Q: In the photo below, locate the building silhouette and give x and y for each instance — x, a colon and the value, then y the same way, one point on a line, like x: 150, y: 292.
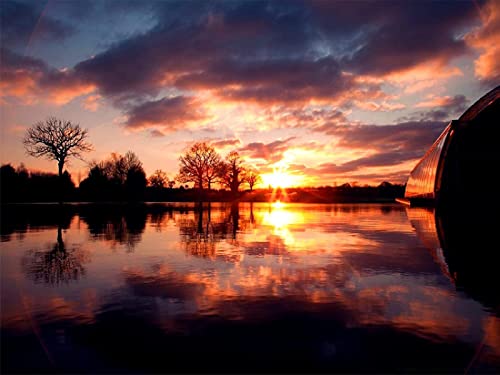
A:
x: 462, y: 164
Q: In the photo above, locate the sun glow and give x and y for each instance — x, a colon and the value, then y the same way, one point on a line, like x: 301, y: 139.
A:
x: 280, y: 218
x: 279, y: 178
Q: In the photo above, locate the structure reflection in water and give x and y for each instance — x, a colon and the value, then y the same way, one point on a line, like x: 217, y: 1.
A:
x: 464, y: 243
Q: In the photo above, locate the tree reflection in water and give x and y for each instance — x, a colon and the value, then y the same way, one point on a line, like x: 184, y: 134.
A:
x: 121, y: 225
x: 58, y: 265
x: 200, y: 234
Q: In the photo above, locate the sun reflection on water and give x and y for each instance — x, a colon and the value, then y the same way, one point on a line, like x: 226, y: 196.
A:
x: 280, y: 218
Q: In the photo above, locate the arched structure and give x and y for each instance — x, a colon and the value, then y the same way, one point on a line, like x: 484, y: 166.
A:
x: 462, y: 163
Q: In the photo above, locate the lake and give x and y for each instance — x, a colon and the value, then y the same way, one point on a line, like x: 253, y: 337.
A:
x: 247, y: 288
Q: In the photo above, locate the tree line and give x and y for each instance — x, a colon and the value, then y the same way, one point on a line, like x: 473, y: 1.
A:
x: 119, y: 177
x: 122, y: 177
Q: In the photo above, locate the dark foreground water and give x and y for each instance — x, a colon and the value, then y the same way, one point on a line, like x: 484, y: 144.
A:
x: 249, y: 288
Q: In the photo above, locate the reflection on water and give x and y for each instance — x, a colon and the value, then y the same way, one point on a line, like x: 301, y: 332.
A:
x: 464, y: 245
x: 184, y: 287
x: 57, y: 264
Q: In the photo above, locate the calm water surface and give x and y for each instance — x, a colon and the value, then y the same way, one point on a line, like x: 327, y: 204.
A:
x: 255, y: 287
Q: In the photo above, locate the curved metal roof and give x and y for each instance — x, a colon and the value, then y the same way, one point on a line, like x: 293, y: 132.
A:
x: 475, y: 109
x: 425, y: 179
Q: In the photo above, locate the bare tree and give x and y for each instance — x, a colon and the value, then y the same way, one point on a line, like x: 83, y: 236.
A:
x: 233, y: 172
x: 56, y: 140
x: 252, y: 178
x: 200, y: 164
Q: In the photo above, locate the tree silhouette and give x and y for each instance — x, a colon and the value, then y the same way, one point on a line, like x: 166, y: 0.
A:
x: 252, y: 178
x: 158, y: 179
x: 116, y: 177
x: 56, y: 140
x: 233, y: 172
x: 201, y: 164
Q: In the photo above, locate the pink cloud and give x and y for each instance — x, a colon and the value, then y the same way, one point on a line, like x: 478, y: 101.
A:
x: 379, y: 107
x: 31, y: 80
x: 486, y: 39
x: 92, y: 103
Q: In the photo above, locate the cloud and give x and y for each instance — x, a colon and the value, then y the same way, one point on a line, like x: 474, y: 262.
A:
x: 308, y: 116
x: 225, y: 143
x: 446, y: 108
x: 390, y: 145
x: 444, y: 101
x: 297, y: 55
x: 271, y: 152
x: 22, y: 22
x: 155, y: 133
x: 170, y: 114
x: 398, y: 36
x: 379, y: 107
x: 92, y: 103
x: 284, y: 80
x: 29, y: 80
x: 208, y: 52
x: 486, y: 38
x: 378, y: 159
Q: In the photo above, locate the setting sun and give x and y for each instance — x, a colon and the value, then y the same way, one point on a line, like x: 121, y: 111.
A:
x: 280, y: 179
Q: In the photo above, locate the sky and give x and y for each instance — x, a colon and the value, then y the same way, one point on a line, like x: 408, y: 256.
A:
x: 310, y: 93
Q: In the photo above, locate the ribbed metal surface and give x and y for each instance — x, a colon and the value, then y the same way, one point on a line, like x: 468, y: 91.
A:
x: 422, y: 180
x: 425, y: 181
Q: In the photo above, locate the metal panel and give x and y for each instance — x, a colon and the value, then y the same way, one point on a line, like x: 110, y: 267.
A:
x: 422, y: 180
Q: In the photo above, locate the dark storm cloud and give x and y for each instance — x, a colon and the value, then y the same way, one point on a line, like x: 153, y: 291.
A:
x: 169, y: 113
x: 20, y: 20
x: 272, y: 152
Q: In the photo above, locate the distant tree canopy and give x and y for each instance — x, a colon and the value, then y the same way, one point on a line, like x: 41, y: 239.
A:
x: 118, y: 177
x: 201, y: 164
x: 20, y: 185
x: 158, y: 180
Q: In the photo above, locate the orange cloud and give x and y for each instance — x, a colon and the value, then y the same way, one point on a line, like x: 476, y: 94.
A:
x: 62, y: 95
x: 30, y: 80
x: 423, y: 76
x: 486, y: 38
x: 382, y: 107
x: 92, y: 103
x: 436, y: 102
